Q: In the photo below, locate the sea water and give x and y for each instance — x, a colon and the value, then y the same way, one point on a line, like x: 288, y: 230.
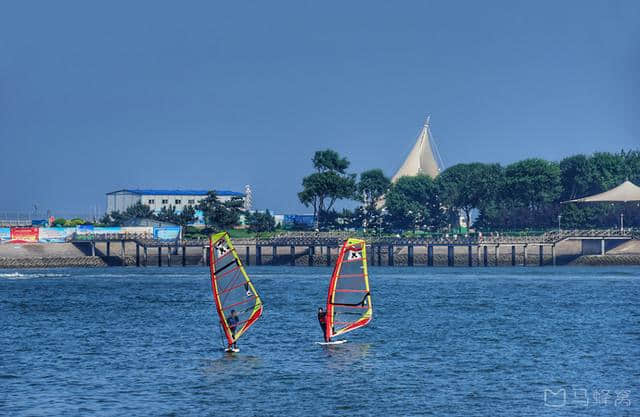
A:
x: 443, y: 341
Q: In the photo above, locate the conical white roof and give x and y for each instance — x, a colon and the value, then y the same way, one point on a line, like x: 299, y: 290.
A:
x: 421, y: 159
x: 627, y: 191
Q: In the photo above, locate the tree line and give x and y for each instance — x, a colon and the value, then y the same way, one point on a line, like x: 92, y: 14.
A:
x: 523, y: 195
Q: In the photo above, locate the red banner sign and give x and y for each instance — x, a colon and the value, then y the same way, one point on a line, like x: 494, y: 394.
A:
x: 24, y: 234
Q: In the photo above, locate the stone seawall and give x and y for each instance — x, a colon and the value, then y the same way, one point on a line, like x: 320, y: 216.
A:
x: 607, y: 260
x: 53, y: 262
x: 318, y: 260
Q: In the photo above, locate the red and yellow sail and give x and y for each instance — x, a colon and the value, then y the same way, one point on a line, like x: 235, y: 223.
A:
x: 349, y: 299
x: 232, y: 288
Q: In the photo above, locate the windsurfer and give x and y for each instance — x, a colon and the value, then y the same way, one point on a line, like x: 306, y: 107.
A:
x: 232, y: 321
x: 322, y: 319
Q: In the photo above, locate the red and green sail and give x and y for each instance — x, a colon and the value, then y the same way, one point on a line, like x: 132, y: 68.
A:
x: 349, y: 300
x: 232, y: 288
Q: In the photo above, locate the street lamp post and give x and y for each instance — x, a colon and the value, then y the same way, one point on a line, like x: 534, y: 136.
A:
x: 559, y: 219
x: 383, y: 213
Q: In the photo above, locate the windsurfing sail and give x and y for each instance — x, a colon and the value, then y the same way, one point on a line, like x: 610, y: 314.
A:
x: 349, y: 300
x: 237, y: 302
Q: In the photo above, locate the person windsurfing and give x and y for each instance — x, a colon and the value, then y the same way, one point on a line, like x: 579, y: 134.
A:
x: 322, y: 319
x: 348, y: 298
x: 232, y: 321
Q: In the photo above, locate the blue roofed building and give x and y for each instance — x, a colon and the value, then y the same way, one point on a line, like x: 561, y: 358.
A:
x: 157, y: 199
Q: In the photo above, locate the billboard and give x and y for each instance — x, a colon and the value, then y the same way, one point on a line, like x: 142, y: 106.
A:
x: 24, y: 234
x: 299, y: 220
x: 137, y: 230
x: 83, y: 232
x: 107, y: 230
x: 55, y: 234
x: 166, y: 233
x: 84, y: 229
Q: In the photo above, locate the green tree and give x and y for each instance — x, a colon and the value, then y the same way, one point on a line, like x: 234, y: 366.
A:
x: 168, y: 215
x: 220, y: 215
x: 577, y: 179
x: 138, y: 210
x: 632, y: 166
x: 261, y: 222
x: 59, y: 222
x: 75, y: 222
x: 413, y: 202
x: 330, y: 183
x: 576, y: 176
x: 532, y: 183
x: 115, y: 218
x: 187, y: 216
x: 586, y: 175
x: 609, y: 170
x: 372, y: 186
x: 330, y: 160
x: 529, y: 197
x: 465, y: 187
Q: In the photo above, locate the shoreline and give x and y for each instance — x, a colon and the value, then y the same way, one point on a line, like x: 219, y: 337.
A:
x: 420, y: 262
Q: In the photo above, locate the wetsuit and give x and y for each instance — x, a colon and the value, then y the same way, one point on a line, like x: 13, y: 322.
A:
x: 233, y: 324
x: 322, y: 319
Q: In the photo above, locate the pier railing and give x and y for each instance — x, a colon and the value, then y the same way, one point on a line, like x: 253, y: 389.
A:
x: 321, y: 247
x: 336, y: 238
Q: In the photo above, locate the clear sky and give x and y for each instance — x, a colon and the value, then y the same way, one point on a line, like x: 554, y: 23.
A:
x: 98, y: 96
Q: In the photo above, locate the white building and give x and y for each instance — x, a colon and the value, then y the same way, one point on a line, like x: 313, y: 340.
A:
x: 157, y: 199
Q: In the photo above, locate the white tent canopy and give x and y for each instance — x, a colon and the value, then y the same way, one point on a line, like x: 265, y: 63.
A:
x: 627, y: 191
x: 623, y: 193
x: 421, y: 159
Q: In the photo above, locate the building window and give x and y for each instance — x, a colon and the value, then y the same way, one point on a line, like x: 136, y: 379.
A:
x: 178, y: 201
x: 165, y: 201
x: 192, y: 201
x: 151, y: 201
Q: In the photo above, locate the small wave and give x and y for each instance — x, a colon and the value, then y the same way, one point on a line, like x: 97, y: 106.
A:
x: 18, y: 275
x: 11, y: 275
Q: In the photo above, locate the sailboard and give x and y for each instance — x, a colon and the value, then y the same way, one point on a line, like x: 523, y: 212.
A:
x: 335, y: 342
x: 237, y: 301
x: 349, y: 298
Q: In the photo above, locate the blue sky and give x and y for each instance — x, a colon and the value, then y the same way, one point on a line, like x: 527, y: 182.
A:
x: 98, y: 96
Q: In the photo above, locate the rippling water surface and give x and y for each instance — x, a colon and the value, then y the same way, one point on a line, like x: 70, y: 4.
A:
x: 469, y: 342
